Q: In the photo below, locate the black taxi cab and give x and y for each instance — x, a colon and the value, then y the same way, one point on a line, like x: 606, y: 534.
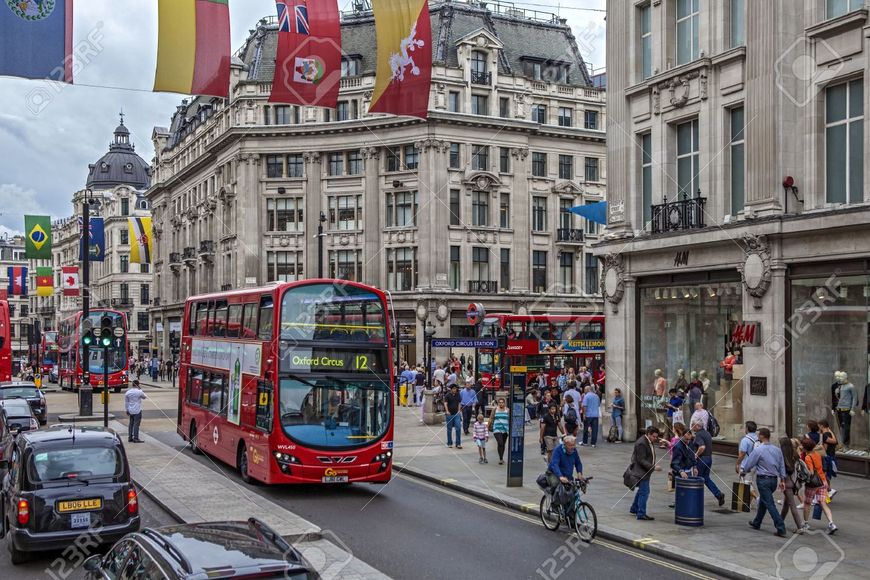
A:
x: 63, y: 482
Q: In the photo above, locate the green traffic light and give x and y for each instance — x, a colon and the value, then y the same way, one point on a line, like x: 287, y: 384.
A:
x: 106, y: 341
x: 87, y: 340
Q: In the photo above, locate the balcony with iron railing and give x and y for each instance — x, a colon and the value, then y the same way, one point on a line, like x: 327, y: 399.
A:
x: 684, y: 214
x: 189, y: 254
x: 156, y: 302
x: 124, y: 301
x: 226, y: 287
x: 206, y: 247
x: 174, y: 258
x: 481, y: 78
x: 569, y: 236
x: 483, y: 286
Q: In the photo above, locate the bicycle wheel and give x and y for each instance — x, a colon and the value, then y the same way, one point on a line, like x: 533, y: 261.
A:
x: 585, y: 522
x: 549, y: 514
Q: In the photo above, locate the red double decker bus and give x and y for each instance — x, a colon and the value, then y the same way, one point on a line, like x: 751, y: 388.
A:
x: 5, y: 342
x: 290, y: 383
x: 71, y: 353
x: 49, y: 351
x: 543, y: 342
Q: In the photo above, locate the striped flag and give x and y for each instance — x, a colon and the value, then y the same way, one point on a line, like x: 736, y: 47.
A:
x: 70, y: 280
x: 44, y: 281
x: 141, y: 240
x: 193, y: 47
x: 17, y: 280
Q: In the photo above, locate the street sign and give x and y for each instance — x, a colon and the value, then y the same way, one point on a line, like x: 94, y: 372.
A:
x: 519, y: 369
x: 517, y: 430
x: 465, y: 343
x: 475, y: 313
x: 118, y: 332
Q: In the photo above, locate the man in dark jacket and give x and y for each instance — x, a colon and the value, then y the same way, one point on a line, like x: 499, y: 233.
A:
x: 684, y: 462
x: 639, y: 472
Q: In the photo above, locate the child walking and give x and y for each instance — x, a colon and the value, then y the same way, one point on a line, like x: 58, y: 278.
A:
x: 481, y: 436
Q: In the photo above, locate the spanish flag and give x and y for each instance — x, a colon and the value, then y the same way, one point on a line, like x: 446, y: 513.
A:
x: 404, y: 38
x: 141, y: 240
x: 193, y: 48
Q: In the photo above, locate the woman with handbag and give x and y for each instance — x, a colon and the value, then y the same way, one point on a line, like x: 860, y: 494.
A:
x: 792, y: 485
x: 817, y: 487
x: 499, y: 422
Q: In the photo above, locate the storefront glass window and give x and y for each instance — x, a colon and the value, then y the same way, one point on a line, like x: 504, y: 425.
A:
x: 830, y: 330
x: 687, y: 328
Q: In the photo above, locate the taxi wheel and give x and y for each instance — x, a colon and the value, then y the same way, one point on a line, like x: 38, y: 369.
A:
x: 16, y: 556
x: 242, y: 462
x: 194, y: 448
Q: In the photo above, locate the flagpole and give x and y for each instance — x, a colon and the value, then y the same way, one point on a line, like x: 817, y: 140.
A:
x: 85, y: 249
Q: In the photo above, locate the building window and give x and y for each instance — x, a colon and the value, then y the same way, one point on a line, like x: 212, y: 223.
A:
x: 835, y: 8
x: 539, y: 271
x: 480, y: 264
x: 539, y: 114
x: 566, y: 218
x: 345, y: 212
x: 455, y: 161
x: 480, y: 208
x: 284, y: 266
x: 504, y: 211
x: 125, y: 264
x: 646, y: 176
x: 125, y: 236
x: 144, y: 268
x: 646, y: 42
x: 274, y: 166
x: 335, y: 165
x: 453, y: 101
x: 539, y: 214
x: 479, y: 105
x: 478, y: 61
x: 505, y: 269
x: 342, y: 111
x: 402, y: 269
x: 688, y: 159
x: 591, y: 274
x: 539, y: 164
x: 125, y: 292
x: 738, y: 186
x: 346, y: 265
x: 412, y: 157
x: 566, y: 117
x: 591, y: 168
x: 295, y: 165
x: 590, y: 120
x: 455, y: 204
x: 327, y: 115
x: 504, y: 159
x: 145, y: 294
x: 354, y: 163
x: 401, y: 209
x: 455, y: 267
x: 844, y: 142
x: 282, y: 115
x: 349, y: 67
x: 142, y: 321
x: 566, y: 167
x: 284, y: 214
x: 125, y: 206
x: 566, y: 272
x: 504, y: 107
x: 480, y: 157
x: 591, y: 226
x: 738, y: 23
x: 394, y: 159
x: 688, y: 31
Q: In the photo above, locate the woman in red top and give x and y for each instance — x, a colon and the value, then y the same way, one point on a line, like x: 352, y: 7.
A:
x: 816, y: 495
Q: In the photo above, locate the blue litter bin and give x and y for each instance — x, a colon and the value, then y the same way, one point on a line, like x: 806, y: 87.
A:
x: 689, y: 502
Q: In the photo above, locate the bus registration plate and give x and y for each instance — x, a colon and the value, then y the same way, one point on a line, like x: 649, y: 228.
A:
x: 334, y: 479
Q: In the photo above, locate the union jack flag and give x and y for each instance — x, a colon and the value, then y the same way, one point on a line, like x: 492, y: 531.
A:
x: 300, y: 16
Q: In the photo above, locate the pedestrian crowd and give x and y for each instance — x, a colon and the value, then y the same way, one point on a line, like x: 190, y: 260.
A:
x: 157, y: 368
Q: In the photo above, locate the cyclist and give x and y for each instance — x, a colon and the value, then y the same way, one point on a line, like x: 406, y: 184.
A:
x: 565, y: 460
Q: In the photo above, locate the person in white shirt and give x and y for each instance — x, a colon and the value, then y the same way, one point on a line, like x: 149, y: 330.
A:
x: 133, y: 405
x: 700, y: 416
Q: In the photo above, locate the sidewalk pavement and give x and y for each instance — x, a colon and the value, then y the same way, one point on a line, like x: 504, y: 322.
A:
x: 147, y: 381
x: 725, y: 545
x: 192, y: 492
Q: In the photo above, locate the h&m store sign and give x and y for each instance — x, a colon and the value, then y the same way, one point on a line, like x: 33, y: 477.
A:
x: 746, y: 333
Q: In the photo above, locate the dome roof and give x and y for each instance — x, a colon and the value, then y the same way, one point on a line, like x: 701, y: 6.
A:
x: 120, y: 166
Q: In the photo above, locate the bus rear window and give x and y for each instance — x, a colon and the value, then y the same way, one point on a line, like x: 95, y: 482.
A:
x: 332, y: 312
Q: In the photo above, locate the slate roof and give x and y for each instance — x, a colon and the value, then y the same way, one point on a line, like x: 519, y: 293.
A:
x: 120, y: 166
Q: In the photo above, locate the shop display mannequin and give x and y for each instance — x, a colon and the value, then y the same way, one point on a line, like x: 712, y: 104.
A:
x: 681, y: 384
x: 727, y: 366
x: 696, y: 390
x: 705, y: 389
x: 660, y: 385
x: 844, y: 403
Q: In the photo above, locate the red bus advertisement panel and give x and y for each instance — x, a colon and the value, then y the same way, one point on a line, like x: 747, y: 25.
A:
x: 5, y: 342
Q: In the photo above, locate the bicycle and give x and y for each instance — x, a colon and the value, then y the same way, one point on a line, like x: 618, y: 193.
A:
x: 579, y: 516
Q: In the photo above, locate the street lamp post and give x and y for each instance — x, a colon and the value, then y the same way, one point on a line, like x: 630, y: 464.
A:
x: 320, y: 223
x: 85, y: 249
x: 428, y: 333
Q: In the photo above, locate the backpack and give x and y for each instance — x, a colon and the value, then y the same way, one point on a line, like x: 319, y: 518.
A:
x: 571, y: 415
x: 801, y: 472
x: 613, y: 434
x: 713, y: 426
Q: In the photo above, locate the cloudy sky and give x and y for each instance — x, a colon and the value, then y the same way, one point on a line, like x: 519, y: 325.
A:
x: 49, y: 132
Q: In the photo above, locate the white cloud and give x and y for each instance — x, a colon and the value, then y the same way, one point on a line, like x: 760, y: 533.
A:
x: 15, y: 202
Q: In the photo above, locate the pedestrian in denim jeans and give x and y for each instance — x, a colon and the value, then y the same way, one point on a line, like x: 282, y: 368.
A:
x: 454, y: 418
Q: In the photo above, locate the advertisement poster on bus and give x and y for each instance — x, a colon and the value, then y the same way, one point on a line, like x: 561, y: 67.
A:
x: 574, y: 345
x: 237, y: 355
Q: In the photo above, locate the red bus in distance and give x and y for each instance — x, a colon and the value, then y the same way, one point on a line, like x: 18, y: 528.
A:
x: 543, y: 342
x: 48, y: 351
x: 290, y: 383
x: 71, y: 353
x: 5, y: 342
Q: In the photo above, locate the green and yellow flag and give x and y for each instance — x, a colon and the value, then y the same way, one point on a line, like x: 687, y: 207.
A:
x: 44, y: 281
x: 37, y: 243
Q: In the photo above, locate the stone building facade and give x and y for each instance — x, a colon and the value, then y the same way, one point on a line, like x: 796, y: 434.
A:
x: 739, y: 214
x: 12, y: 254
x: 465, y: 206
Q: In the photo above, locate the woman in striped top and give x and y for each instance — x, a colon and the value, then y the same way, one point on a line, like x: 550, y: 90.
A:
x: 481, y: 436
x: 499, y: 421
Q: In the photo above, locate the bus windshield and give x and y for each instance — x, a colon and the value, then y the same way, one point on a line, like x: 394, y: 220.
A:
x: 332, y: 312
x: 117, y: 355
x: 331, y: 413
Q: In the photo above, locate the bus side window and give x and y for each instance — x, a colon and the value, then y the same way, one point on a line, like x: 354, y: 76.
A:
x: 201, y: 318
x: 219, y: 327
x: 264, y: 405
x: 264, y: 330
x: 194, y: 387
x: 249, y: 326
x: 234, y: 322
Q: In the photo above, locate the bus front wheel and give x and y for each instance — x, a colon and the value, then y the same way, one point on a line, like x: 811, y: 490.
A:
x: 194, y: 448
x: 242, y: 462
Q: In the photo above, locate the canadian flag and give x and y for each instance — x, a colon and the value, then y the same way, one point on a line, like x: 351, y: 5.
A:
x: 70, y: 280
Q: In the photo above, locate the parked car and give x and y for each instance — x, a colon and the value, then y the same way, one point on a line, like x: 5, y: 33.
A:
x: 53, y: 375
x: 19, y: 415
x: 7, y: 440
x: 63, y: 481
x: 213, y: 550
x: 27, y: 390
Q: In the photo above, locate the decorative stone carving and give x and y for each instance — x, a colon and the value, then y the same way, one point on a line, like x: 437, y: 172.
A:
x: 520, y: 106
x: 440, y: 96
x: 311, y: 157
x: 422, y: 311
x: 344, y: 240
x: 756, y: 268
x: 656, y: 100
x: 482, y: 181
x: 442, y: 312
x: 680, y: 101
x: 702, y: 79
x: 522, y: 307
x: 613, y: 280
x: 520, y: 153
x: 371, y: 153
x: 567, y: 188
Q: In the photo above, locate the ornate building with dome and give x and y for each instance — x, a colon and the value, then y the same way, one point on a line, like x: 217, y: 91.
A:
x: 115, y: 187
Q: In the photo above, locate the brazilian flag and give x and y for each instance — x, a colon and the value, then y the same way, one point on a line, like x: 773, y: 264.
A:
x: 37, y: 243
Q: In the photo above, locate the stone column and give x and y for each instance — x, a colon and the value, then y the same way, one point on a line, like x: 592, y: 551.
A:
x: 619, y: 140
x: 248, y: 219
x: 313, y: 207
x: 372, y: 218
x: 433, y: 191
x: 521, y: 207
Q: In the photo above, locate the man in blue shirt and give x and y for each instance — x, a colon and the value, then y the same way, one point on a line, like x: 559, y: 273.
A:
x: 407, y: 380
x: 565, y: 460
x: 591, y: 413
x: 562, y: 380
x: 769, y: 466
x: 467, y: 401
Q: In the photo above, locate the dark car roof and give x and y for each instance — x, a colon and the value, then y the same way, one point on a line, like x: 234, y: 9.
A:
x: 226, y: 549
x: 64, y: 433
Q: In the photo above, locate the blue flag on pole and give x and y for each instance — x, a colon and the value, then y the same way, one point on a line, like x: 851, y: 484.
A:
x: 36, y: 39
x: 98, y: 239
x: 595, y: 212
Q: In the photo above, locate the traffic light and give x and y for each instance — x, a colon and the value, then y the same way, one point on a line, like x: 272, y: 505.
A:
x: 88, y: 338
x: 106, y: 331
